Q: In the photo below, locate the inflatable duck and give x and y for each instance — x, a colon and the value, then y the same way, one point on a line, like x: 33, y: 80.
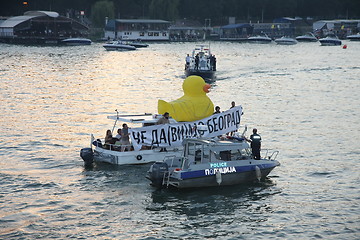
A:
x: 194, y: 105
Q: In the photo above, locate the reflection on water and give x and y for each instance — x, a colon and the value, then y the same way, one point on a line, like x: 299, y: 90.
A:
x: 301, y: 98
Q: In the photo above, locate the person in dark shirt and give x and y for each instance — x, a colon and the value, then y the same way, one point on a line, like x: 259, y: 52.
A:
x: 255, y: 140
x: 217, y: 110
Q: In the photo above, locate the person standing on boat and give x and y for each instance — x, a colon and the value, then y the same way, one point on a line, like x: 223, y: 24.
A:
x: 197, y: 59
x: 217, y: 110
x: 118, y: 135
x: 125, y: 140
x: 187, y: 60
x: 255, y: 140
x: 164, y: 120
x: 213, y: 62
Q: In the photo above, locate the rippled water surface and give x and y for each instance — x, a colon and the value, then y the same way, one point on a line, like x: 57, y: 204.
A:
x: 304, y: 100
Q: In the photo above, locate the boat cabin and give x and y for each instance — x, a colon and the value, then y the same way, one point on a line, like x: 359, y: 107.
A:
x: 199, y: 151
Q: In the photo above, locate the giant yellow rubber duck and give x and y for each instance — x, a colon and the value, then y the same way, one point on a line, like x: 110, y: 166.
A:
x: 194, y: 105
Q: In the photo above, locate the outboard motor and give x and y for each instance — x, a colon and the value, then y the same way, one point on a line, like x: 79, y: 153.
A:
x: 156, y: 173
x: 87, y: 155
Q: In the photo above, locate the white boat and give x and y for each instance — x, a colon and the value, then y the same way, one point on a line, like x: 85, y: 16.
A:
x: 111, y: 153
x: 76, y: 41
x: 264, y: 38
x: 206, y: 66
x: 285, y: 41
x: 330, y: 40
x: 308, y: 37
x: 211, y: 163
x: 118, y: 46
x: 354, y: 37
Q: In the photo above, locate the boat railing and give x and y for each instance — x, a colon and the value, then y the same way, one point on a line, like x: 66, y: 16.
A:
x: 271, y: 156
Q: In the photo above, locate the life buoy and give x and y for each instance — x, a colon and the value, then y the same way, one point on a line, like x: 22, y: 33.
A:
x: 139, y: 157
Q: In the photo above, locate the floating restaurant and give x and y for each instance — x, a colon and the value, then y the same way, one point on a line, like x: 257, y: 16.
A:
x: 39, y: 27
x: 137, y: 29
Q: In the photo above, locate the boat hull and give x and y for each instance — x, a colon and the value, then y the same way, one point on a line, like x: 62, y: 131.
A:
x: 132, y: 157
x: 306, y: 39
x: 226, y: 179
x: 76, y: 41
x: 355, y: 37
x: 286, y: 42
x: 206, y: 74
x: 330, y: 43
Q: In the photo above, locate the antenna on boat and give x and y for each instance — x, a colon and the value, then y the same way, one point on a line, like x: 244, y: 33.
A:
x: 117, y: 117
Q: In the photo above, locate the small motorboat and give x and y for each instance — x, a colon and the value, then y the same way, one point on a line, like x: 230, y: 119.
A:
x: 76, y: 41
x: 354, y: 37
x: 118, y: 46
x: 285, y: 41
x: 330, y: 40
x: 264, y: 38
x: 206, y: 65
x: 308, y: 37
x: 210, y: 163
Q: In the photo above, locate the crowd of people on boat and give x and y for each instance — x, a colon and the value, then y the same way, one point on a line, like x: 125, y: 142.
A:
x: 121, y: 141
x: 210, y: 60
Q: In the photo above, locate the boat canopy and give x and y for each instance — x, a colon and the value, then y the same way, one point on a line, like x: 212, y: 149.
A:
x: 146, y: 118
x: 42, y: 13
x: 239, y: 25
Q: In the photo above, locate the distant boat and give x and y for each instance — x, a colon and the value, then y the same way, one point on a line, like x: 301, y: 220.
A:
x: 76, y: 41
x: 285, y: 41
x: 308, y: 37
x: 355, y: 37
x: 118, y: 46
x: 264, y: 38
x: 206, y: 65
x: 330, y: 40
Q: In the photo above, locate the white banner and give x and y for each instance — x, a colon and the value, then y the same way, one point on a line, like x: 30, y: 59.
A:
x: 171, y: 135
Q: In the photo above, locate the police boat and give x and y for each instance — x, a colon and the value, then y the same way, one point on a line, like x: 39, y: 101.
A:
x: 210, y: 163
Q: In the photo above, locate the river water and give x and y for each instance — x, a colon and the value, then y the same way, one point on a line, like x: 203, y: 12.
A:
x: 304, y: 100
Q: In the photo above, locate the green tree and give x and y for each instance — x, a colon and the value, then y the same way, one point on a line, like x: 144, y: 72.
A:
x: 100, y: 10
x: 164, y: 9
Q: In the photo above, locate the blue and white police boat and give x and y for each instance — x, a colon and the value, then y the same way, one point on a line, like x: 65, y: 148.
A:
x: 210, y: 163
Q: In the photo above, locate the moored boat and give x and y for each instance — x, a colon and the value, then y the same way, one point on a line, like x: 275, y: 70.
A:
x: 308, y: 37
x: 330, y: 40
x: 285, y: 41
x: 263, y: 39
x: 76, y: 41
x: 211, y: 163
x: 118, y: 46
x: 202, y: 63
x: 354, y: 37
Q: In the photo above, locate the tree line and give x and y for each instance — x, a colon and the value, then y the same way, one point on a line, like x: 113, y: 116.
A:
x: 217, y: 10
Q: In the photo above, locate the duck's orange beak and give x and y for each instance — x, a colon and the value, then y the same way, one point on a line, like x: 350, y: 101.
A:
x: 206, y: 88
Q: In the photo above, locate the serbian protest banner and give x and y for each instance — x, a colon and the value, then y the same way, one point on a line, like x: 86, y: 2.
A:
x: 171, y: 135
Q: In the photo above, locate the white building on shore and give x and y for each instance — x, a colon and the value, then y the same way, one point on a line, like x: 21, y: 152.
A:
x: 137, y: 29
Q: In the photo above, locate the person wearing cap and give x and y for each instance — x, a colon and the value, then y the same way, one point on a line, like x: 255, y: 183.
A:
x: 255, y: 140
